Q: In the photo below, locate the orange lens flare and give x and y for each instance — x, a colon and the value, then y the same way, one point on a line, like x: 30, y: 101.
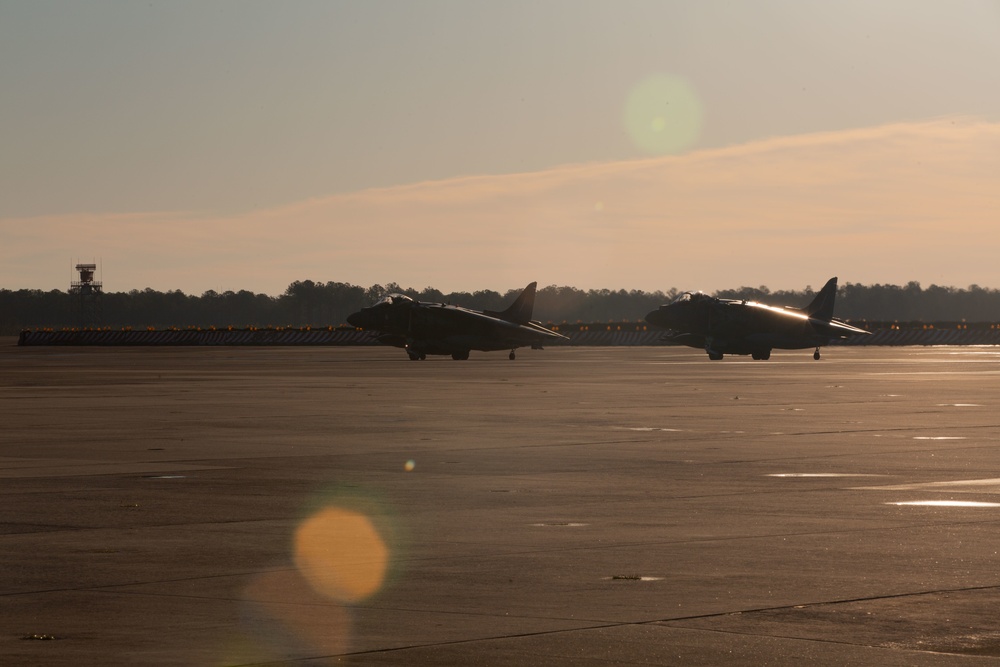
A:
x: 341, y: 554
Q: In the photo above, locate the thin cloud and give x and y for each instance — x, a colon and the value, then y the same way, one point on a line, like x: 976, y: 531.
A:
x: 909, y: 201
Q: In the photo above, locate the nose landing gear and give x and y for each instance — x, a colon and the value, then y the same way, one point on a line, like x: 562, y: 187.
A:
x: 415, y: 354
x: 712, y: 354
x: 816, y: 354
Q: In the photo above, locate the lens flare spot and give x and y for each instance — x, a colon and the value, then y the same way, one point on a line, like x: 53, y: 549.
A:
x: 663, y: 115
x: 341, y: 554
x: 409, y: 465
x: 284, y: 615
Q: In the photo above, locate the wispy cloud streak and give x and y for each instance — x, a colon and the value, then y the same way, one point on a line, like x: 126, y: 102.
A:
x: 909, y: 201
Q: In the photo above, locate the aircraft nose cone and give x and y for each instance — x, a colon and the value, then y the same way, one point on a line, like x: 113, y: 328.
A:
x: 355, y: 319
x: 658, y: 318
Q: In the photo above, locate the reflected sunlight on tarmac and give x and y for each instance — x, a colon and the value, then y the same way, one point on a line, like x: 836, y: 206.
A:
x: 589, y: 506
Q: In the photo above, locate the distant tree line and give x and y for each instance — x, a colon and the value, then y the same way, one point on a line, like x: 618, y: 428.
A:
x: 891, y: 303
x: 308, y: 303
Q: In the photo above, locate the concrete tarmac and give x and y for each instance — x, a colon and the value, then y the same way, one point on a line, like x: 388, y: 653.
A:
x: 578, y: 506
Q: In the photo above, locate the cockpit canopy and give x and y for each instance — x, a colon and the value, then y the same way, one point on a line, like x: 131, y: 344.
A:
x: 690, y: 297
x: 394, y: 300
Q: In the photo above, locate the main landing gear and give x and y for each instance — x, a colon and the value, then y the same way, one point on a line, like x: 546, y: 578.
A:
x: 416, y: 356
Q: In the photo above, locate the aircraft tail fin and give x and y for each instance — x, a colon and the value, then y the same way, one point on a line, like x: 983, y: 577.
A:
x: 821, y: 307
x: 520, y: 310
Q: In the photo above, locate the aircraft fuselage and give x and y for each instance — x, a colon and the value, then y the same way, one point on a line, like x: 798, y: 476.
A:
x: 726, y: 326
x: 435, y: 328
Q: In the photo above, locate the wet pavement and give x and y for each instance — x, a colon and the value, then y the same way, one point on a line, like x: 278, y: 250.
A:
x: 577, y: 506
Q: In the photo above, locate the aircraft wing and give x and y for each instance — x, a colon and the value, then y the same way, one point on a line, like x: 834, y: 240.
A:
x: 507, y: 335
x: 838, y: 329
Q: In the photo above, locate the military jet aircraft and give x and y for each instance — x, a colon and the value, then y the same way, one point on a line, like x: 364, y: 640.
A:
x: 729, y: 326
x: 423, y: 328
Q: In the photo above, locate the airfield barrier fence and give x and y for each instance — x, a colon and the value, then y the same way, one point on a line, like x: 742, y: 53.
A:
x: 592, y: 334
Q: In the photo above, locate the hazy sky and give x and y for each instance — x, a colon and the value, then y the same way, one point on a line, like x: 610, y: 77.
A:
x: 470, y: 145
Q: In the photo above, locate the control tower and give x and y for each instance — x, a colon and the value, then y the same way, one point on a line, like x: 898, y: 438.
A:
x: 85, y: 297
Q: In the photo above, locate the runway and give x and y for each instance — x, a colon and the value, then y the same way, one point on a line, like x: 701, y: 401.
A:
x: 577, y: 506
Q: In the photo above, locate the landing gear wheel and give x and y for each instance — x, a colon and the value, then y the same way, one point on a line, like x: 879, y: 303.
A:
x: 460, y: 356
x: 413, y: 356
x: 715, y: 356
x: 511, y: 356
x: 816, y: 354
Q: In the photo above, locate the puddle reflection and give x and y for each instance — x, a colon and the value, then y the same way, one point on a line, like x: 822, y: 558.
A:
x: 944, y: 503
x: 821, y: 474
x: 561, y: 524
x: 646, y: 429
